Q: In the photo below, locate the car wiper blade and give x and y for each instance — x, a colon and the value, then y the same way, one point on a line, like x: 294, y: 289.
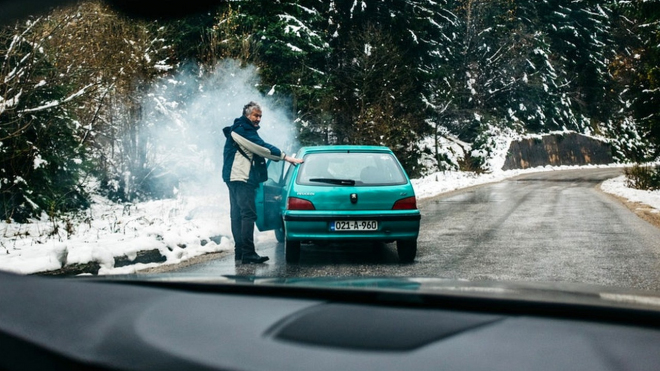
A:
x: 348, y: 182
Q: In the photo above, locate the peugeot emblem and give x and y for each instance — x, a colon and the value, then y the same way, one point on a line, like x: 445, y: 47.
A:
x: 353, y: 198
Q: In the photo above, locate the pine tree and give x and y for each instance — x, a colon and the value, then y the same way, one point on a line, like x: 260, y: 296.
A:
x: 376, y: 89
x: 636, y: 71
x: 579, y: 40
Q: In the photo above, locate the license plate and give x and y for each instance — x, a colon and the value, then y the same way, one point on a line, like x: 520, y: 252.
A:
x: 354, y: 225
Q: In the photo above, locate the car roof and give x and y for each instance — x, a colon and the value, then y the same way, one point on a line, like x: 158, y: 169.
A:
x: 344, y: 148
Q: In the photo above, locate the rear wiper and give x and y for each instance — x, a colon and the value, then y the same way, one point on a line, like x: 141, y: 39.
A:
x: 348, y: 182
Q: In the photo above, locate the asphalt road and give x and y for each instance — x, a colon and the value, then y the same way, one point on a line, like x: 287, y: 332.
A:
x: 547, y: 227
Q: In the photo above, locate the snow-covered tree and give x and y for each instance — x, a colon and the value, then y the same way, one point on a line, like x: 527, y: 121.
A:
x: 120, y: 57
x: 41, y: 156
x: 636, y: 73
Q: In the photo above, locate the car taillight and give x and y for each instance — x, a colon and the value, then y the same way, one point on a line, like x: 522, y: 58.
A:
x: 294, y: 203
x: 409, y: 203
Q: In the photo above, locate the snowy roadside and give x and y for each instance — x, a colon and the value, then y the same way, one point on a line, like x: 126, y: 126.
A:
x: 618, y: 187
x: 113, y: 237
x: 178, y: 229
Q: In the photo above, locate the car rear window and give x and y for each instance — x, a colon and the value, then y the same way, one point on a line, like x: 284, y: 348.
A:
x: 362, y: 168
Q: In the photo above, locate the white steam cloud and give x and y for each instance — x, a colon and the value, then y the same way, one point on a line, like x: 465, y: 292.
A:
x: 186, y: 114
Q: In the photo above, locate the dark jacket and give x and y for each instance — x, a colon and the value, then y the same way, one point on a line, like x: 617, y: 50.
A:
x: 236, y: 167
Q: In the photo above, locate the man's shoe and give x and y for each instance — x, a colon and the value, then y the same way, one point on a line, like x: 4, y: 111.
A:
x: 254, y: 259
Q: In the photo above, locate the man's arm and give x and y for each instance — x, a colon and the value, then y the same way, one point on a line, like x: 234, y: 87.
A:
x: 272, y: 153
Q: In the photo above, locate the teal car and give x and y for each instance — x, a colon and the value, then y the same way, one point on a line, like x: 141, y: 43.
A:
x: 340, y: 194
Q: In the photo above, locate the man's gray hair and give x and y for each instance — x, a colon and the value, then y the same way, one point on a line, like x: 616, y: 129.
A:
x: 248, y: 108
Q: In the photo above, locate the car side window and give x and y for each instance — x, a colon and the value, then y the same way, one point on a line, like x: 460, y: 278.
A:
x: 275, y: 171
x: 288, y: 174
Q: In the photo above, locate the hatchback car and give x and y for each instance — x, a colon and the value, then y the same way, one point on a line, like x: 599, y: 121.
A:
x: 340, y: 194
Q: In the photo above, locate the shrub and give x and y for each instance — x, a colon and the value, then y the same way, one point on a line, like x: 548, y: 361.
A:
x: 643, y: 177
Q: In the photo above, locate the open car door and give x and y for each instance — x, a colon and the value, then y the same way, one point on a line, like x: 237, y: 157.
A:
x: 269, y: 198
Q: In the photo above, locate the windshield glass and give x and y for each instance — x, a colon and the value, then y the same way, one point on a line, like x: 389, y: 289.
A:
x: 480, y: 141
x: 362, y: 168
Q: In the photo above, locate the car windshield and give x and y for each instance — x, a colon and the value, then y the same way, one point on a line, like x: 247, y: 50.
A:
x: 477, y: 141
x: 361, y: 168
x: 330, y: 184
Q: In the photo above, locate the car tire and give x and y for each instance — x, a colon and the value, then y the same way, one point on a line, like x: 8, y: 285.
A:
x: 407, y: 250
x: 279, y: 234
x: 292, y: 251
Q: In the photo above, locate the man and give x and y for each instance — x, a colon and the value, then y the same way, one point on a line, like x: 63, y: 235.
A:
x: 242, y: 144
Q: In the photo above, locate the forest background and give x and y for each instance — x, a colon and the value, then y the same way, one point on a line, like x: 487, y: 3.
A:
x: 85, y: 90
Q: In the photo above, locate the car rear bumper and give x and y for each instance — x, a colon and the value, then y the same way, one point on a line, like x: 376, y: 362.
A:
x: 315, y: 226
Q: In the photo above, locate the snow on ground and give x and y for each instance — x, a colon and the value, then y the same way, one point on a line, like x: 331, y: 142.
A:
x: 180, y: 229
x: 618, y: 187
x: 186, y: 226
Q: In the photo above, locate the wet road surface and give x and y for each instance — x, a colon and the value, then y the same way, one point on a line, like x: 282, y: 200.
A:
x: 550, y: 227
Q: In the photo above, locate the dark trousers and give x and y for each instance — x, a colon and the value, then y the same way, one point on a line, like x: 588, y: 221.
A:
x: 243, y: 214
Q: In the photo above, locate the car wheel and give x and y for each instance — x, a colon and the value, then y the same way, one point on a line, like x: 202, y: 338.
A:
x: 279, y: 234
x: 292, y: 251
x: 407, y: 250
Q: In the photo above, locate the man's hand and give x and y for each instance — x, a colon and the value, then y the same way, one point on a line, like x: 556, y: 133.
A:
x: 293, y: 160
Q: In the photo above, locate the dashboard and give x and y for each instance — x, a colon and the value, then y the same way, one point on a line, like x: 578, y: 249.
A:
x: 64, y: 324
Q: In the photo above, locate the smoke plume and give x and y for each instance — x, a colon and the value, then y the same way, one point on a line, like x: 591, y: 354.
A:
x: 187, y: 113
